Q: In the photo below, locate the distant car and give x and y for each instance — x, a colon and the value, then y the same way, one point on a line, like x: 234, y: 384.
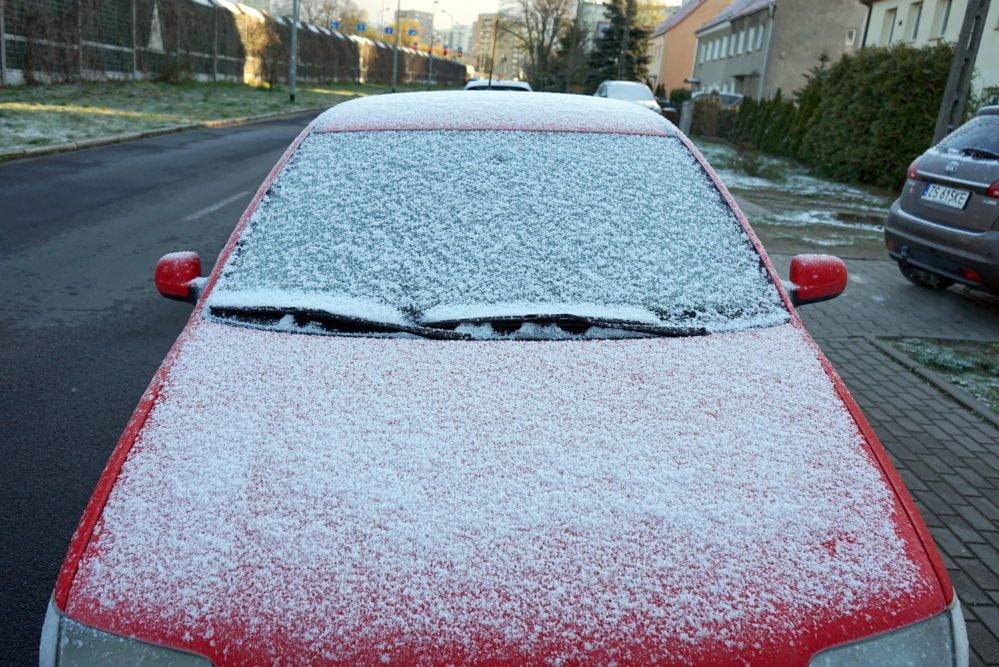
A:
x: 548, y: 401
x: 726, y: 100
x: 629, y: 91
x: 669, y: 110
x: 498, y: 84
x: 944, y: 228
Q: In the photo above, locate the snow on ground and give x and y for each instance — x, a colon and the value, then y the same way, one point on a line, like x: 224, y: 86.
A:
x: 799, y: 205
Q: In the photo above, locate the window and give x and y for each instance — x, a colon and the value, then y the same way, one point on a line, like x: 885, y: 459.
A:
x: 731, y: 44
x: 942, y: 18
x: 462, y: 247
x: 742, y: 41
x: 915, y: 14
x: 759, y: 37
x: 888, y: 27
x: 851, y: 37
x: 752, y: 34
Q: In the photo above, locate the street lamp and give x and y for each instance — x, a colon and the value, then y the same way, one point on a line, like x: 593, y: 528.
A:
x: 395, y: 53
x: 430, y: 71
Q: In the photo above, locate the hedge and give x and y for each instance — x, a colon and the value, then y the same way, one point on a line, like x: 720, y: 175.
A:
x: 862, y: 119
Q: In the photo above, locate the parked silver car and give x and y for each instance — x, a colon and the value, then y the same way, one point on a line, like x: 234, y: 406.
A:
x: 944, y: 228
x: 629, y: 91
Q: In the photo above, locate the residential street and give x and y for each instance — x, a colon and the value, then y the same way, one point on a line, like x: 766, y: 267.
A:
x: 82, y: 330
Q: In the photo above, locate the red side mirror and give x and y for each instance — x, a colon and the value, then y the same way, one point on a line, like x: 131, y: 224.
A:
x: 816, y: 278
x: 177, y: 276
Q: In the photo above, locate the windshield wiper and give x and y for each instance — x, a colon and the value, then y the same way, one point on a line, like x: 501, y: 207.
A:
x: 569, y: 322
x: 975, y: 151
x: 330, y: 320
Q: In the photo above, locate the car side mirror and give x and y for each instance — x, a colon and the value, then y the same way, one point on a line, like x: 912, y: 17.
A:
x: 816, y: 278
x: 178, y: 276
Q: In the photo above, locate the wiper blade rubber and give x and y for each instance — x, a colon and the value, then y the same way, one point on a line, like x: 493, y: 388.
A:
x: 337, y: 321
x: 574, y: 320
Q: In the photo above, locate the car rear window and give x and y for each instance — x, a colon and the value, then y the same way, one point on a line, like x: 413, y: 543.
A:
x: 451, y: 221
x: 981, y: 132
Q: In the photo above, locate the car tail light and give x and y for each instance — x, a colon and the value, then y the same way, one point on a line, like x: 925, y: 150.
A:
x: 993, y: 190
x: 912, y: 169
x: 971, y: 275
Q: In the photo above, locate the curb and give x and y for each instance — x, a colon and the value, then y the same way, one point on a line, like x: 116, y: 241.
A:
x: 132, y: 136
x: 961, y: 396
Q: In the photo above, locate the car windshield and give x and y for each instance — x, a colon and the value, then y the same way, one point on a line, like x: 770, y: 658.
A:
x: 500, y: 86
x: 417, y: 228
x: 979, y: 134
x: 629, y: 92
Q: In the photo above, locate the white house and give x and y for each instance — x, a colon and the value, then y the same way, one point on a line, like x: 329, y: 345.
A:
x: 923, y: 22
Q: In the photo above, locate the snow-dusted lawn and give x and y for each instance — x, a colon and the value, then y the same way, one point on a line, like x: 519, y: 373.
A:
x: 799, y: 210
x: 48, y: 115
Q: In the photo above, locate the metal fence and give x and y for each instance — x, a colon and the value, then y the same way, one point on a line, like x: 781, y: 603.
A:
x: 70, y: 40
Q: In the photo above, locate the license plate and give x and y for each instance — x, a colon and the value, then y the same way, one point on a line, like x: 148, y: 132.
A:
x: 940, y: 194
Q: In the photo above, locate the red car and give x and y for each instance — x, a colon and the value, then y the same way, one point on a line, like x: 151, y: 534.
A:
x: 491, y: 378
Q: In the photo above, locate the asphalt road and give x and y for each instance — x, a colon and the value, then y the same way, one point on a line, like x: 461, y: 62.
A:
x: 82, y: 329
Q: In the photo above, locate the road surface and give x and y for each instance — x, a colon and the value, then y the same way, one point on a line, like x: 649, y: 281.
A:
x: 82, y: 328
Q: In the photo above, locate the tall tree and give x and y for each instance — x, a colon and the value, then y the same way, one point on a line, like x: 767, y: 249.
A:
x: 536, y: 25
x: 606, y: 54
x: 570, y: 62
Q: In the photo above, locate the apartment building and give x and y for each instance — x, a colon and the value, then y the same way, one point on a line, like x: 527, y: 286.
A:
x: 757, y: 47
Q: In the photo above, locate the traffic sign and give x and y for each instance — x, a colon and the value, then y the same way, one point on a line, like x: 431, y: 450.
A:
x: 389, y: 30
x: 411, y: 32
x: 334, y: 25
x: 360, y: 27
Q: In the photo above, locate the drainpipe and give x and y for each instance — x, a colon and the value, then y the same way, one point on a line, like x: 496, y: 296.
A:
x: 867, y: 21
x: 772, y: 9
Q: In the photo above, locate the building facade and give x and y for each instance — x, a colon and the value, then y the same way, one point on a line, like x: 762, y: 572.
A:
x: 925, y: 22
x: 496, y: 51
x: 671, y: 47
x: 758, y: 47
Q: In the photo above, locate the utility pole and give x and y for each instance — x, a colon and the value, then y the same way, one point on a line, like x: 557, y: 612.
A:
x: 293, y: 57
x: 625, y: 35
x: 961, y: 68
x: 3, y: 47
x: 492, y: 58
x: 572, y: 47
x: 395, y: 54
x: 430, y: 71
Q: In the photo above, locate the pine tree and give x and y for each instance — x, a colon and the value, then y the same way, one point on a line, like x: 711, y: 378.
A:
x: 607, y: 49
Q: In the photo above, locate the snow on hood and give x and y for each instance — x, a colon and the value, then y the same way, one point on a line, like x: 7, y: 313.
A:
x: 490, y: 109
x: 305, y: 498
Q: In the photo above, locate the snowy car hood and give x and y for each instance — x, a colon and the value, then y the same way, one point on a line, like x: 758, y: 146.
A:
x: 305, y: 498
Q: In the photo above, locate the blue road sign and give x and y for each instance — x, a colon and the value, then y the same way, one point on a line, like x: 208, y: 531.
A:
x: 360, y: 27
x: 389, y: 30
x: 411, y: 32
x: 335, y: 25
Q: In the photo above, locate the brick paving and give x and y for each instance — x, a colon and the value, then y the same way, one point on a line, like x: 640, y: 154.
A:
x: 947, y: 455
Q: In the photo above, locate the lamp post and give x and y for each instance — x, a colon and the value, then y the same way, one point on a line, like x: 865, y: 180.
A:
x: 430, y: 70
x: 395, y: 54
x: 293, y: 56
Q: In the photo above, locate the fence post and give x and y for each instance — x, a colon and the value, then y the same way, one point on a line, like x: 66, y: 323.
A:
x: 686, y: 116
x: 135, y: 44
x: 215, y: 44
x: 3, y: 45
x: 79, y: 38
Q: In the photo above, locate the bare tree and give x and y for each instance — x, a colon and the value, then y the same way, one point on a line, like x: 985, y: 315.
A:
x: 324, y: 12
x: 536, y: 26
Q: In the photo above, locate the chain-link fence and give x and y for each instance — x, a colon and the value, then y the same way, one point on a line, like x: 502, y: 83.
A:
x: 45, y: 41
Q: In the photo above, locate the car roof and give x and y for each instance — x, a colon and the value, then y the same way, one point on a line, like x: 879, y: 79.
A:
x: 989, y: 111
x: 491, y: 110
x: 623, y: 84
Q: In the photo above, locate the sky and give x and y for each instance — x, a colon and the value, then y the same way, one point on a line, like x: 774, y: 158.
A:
x: 464, y: 11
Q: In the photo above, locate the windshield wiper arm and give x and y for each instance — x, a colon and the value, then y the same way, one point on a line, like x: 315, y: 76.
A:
x: 337, y: 321
x: 571, y: 321
x: 983, y: 152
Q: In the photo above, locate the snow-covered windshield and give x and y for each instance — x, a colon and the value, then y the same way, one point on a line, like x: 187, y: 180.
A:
x: 415, y: 226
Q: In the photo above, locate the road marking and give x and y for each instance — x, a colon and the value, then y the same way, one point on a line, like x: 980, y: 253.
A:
x: 214, y: 207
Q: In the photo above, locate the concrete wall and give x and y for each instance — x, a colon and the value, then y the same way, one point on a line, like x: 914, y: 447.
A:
x: 804, y: 31
x: 902, y: 22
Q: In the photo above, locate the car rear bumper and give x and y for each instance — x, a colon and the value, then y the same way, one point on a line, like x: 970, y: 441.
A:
x: 944, y: 250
